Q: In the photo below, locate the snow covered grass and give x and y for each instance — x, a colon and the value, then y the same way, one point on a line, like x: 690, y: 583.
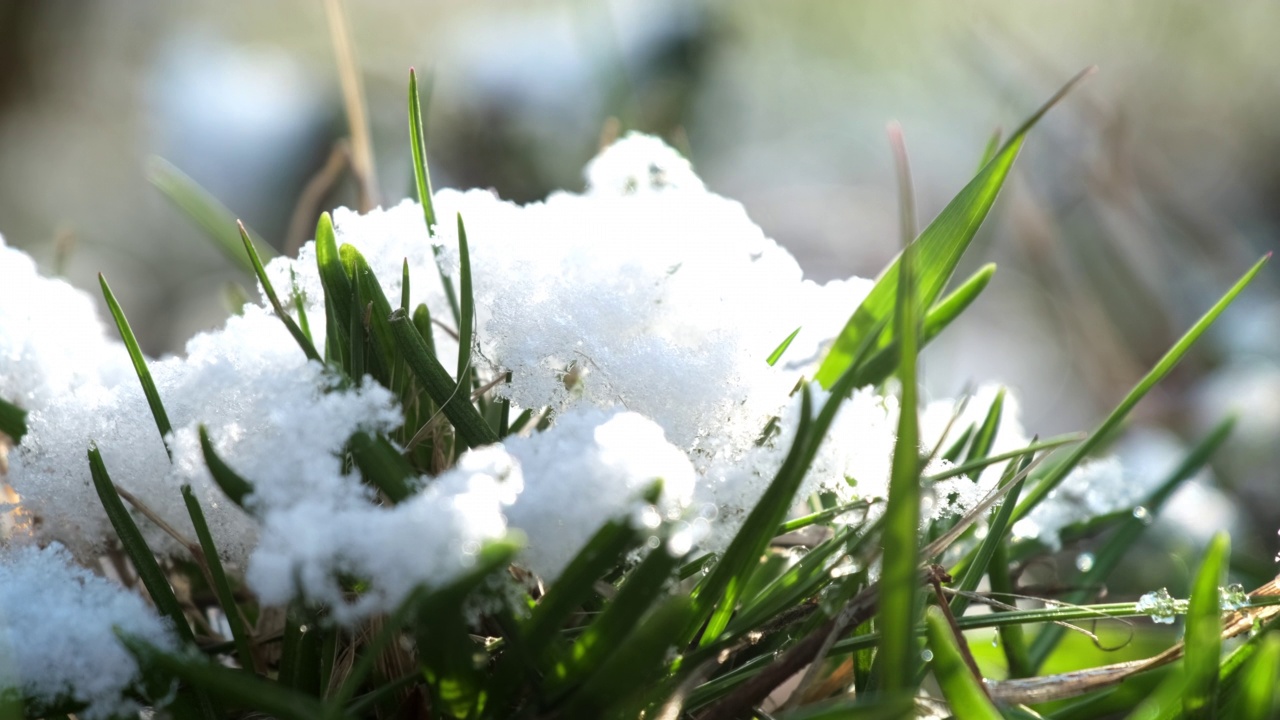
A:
x: 607, y: 455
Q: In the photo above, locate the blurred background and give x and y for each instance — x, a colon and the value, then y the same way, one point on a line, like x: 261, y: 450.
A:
x: 1134, y: 205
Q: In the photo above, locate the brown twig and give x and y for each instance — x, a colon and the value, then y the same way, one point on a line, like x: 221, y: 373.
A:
x: 302, y: 222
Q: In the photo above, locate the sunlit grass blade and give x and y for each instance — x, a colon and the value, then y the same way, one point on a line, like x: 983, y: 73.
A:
x: 977, y: 567
x: 235, y: 487
x: 374, y: 310
x: 221, y: 586
x: 899, y: 656
x: 139, y: 365
x: 1256, y: 697
x: 337, y: 292
x: 242, y: 689
x: 422, y: 179
x: 454, y: 401
x: 978, y: 465
x: 203, y: 208
x: 1204, y: 631
x: 938, y: 317
x: 986, y: 436
x: 724, y: 585
x: 299, y: 336
x: 782, y: 348
x: 966, y: 697
x: 467, y: 310
x: 1109, y: 554
x: 1162, y: 368
x: 382, y: 466
x: 938, y: 249
x: 13, y: 421
x: 131, y: 540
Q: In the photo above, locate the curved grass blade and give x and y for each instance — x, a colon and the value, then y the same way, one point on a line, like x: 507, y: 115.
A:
x: 938, y: 248
x: 299, y: 336
x: 782, y: 348
x: 139, y: 365
x: 471, y: 427
x: 383, y: 466
x: 13, y: 421
x: 967, y: 698
x: 204, y: 209
x: 1204, y: 631
x: 883, y: 362
x: 1059, y: 472
x: 131, y: 540
x: 221, y: 586
x: 240, y: 688
x: 235, y: 487
x: 1108, y: 555
x: 898, y: 656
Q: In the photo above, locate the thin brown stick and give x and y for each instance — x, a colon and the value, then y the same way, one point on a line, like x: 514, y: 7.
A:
x: 302, y: 222
x: 353, y: 100
x: 963, y: 644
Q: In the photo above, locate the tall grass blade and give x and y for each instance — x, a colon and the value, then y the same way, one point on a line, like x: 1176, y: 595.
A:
x: 467, y: 310
x: 235, y: 487
x: 1204, y: 632
x: 422, y: 179
x: 938, y: 248
x: 221, y: 586
x: 1162, y: 368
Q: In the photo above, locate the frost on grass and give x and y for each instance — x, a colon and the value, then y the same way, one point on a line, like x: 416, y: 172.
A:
x: 58, y: 625
x: 638, y: 315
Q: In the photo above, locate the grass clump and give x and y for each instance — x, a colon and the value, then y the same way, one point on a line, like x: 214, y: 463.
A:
x: 341, y: 519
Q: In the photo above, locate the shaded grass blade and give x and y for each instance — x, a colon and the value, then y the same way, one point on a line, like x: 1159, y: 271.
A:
x: 939, y: 249
x: 235, y: 487
x: 383, y: 466
x: 13, y: 421
x: 966, y: 697
x: 204, y: 209
x: 1162, y: 368
x: 1256, y: 699
x: 1204, y: 632
x: 337, y: 293
x: 221, y: 586
x: 242, y: 689
x: 131, y: 540
x: 466, y: 317
x: 299, y: 336
x: 454, y: 401
x: 139, y: 365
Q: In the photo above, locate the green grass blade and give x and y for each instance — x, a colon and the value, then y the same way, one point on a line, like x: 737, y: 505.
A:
x: 422, y: 321
x: 139, y: 365
x: 299, y: 336
x: 382, y: 466
x: 605, y: 551
x: 723, y: 587
x: 605, y: 635
x: 337, y: 292
x: 454, y: 401
x: 1204, y: 632
x: 878, y: 708
x: 467, y: 310
x: 966, y: 697
x: 976, y: 568
x: 899, y: 655
x: 221, y: 586
x: 13, y: 421
x: 384, y: 359
x: 422, y: 179
x: 203, y: 208
x: 301, y: 654
x: 235, y: 487
x: 404, y: 286
x: 1257, y: 696
x: 986, y: 437
x: 777, y: 353
x: 883, y: 362
x: 977, y: 465
x: 938, y: 248
x: 358, y: 352
x: 1157, y: 373
x: 1109, y: 554
x: 131, y: 540
x: 237, y: 687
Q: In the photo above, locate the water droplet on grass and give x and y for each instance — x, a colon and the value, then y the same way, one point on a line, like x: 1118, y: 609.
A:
x: 927, y: 655
x: 1159, y: 605
x: 1084, y: 562
x: 1233, y: 597
x: 1144, y: 515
